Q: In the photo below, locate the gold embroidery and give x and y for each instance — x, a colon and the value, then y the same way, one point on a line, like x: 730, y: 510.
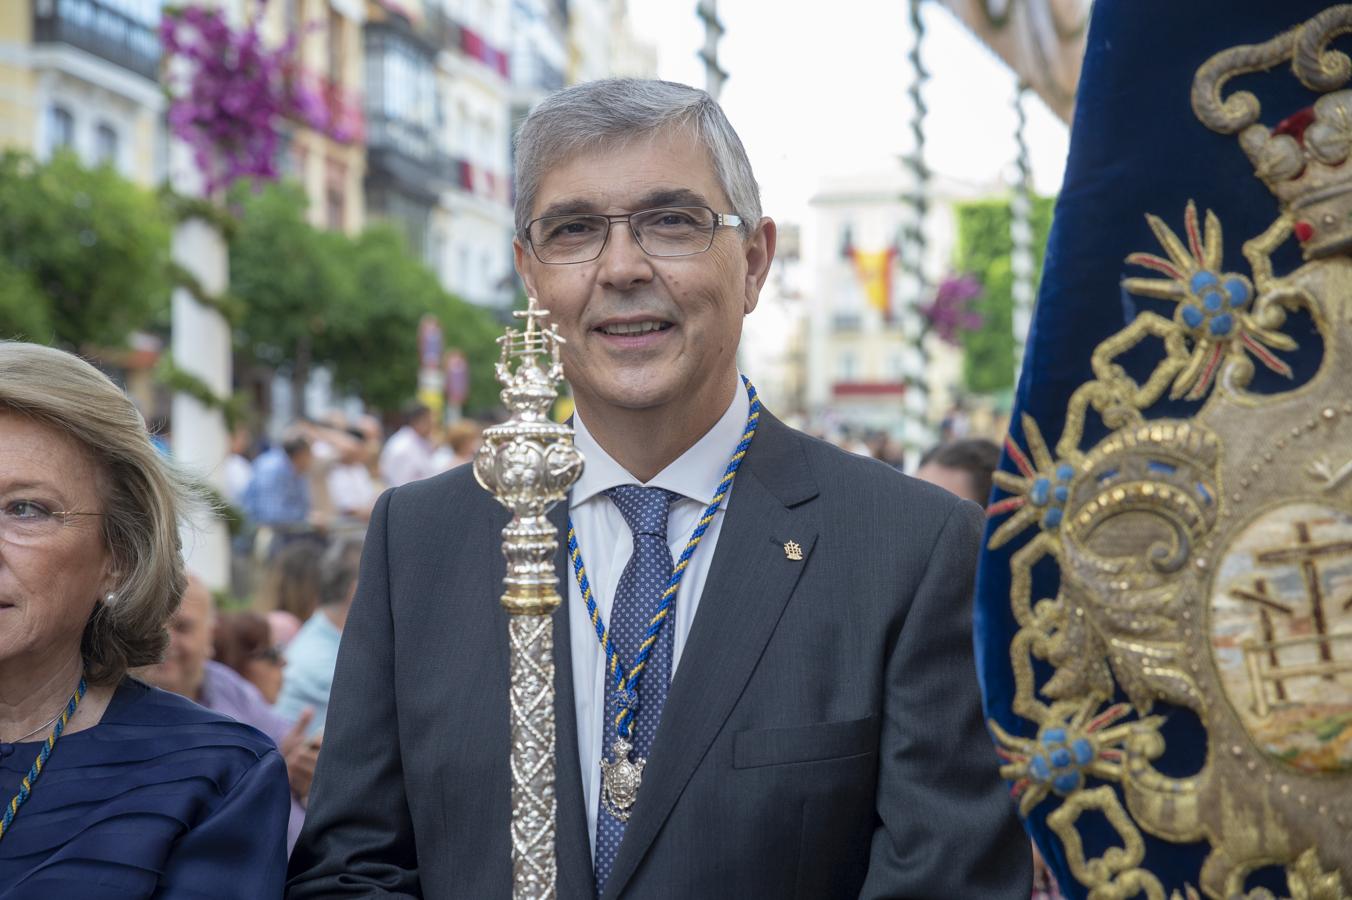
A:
x: 1205, y: 562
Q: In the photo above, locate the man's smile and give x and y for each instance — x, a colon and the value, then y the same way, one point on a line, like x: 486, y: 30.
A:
x: 633, y: 332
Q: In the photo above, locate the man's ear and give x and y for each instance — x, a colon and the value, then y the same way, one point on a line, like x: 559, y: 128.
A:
x: 521, y: 258
x: 760, y: 252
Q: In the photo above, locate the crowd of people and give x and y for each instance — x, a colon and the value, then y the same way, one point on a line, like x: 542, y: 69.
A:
x: 320, y: 479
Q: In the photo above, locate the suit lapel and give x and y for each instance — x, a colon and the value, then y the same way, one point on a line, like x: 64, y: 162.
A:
x: 750, y: 580
x: 572, y: 846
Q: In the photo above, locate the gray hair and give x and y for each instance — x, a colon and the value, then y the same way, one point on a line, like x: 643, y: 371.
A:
x: 590, y: 115
x: 338, y: 570
x: 143, y: 498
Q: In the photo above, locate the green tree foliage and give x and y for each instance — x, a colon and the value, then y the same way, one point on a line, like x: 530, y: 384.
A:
x: 371, y: 340
x: 287, y: 274
x: 83, y: 253
x: 25, y: 312
x: 983, y: 249
x: 352, y: 304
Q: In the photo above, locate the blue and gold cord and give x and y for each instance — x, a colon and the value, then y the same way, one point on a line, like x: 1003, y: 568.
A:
x: 26, y: 786
x: 626, y: 683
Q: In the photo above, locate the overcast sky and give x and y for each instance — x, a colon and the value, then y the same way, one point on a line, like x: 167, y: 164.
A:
x: 816, y: 95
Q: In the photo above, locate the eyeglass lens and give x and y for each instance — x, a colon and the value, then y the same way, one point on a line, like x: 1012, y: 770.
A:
x: 670, y: 231
x: 24, y: 522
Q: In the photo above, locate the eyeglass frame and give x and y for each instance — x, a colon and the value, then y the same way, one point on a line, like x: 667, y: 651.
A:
x: 62, y: 517
x: 273, y: 655
x: 721, y: 220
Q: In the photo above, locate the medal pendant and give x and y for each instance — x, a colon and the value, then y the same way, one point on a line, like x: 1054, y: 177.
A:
x: 620, y: 780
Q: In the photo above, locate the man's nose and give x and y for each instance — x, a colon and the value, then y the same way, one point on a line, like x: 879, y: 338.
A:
x: 623, y: 262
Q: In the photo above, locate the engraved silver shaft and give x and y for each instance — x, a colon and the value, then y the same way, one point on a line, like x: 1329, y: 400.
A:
x: 529, y: 463
x: 533, y: 801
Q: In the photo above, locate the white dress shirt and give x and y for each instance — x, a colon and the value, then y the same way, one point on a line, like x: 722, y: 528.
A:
x: 606, y: 544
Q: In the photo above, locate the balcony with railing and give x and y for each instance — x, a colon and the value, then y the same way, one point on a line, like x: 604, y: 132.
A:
x: 445, y: 33
x: 407, y: 153
x: 100, y: 29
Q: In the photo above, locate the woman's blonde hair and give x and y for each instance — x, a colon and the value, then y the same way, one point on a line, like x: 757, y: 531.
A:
x: 143, y: 499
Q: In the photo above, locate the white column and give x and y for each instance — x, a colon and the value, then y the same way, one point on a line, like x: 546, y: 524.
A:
x: 201, y: 347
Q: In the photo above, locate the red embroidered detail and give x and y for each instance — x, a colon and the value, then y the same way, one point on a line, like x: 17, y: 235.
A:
x: 1019, y: 459
x: 1304, y: 231
x: 1295, y: 124
x: 1194, y: 239
x: 1000, y: 507
x: 1151, y: 261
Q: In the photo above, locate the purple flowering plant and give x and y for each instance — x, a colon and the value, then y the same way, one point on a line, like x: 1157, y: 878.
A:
x: 228, y: 92
x: 950, y: 313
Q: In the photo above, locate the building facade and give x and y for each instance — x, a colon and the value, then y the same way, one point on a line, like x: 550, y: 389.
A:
x: 83, y: 75
x: 863, y: 317
x: 327, y: 158
x: 438, y: 77
x: 407, y: 165
x: 472, y: 235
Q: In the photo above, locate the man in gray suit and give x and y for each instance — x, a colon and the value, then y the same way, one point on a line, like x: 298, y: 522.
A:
x: 808, y: 708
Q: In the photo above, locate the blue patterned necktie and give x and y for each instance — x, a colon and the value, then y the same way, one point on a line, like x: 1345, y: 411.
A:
x: 645, y: 578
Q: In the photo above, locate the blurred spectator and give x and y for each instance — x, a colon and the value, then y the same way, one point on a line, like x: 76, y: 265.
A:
x: 892, y: 453
x: 244, y: 642
x: 238, y: 468
x: 957, y: 424
x: 850, y: 440
x: 291, y: 582
x: 331, y: 443
x: 462, y: 442
x: 373, y: 435
x: 312, y: 655
x: 283, y: 627
x: 408, y: 453
x: 352, y: 491
x: 278, y: 494
x: 962, y: 467
x: 187, y: 670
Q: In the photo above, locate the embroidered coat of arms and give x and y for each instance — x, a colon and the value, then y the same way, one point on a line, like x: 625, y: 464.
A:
x: 1205, y: 562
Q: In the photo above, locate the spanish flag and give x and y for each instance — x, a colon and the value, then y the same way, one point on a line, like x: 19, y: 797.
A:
x: 873, y: 268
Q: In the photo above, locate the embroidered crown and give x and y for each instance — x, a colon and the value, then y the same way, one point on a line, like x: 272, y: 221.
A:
x: 1303, y: 159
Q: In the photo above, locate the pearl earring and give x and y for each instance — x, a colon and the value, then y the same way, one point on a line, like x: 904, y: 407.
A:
x: 109, y: 597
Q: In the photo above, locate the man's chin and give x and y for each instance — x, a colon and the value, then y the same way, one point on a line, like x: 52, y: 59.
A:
x: 637, y: 394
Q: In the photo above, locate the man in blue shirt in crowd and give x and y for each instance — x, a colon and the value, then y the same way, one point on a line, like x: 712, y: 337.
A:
x: 279, y: 494
x: 313, y: 653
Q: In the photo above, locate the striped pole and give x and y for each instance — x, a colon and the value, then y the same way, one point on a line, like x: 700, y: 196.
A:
x: 915, y: 286
x: 1021, y: 262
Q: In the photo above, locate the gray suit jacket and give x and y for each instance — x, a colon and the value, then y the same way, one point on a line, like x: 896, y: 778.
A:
x: 822, y: 736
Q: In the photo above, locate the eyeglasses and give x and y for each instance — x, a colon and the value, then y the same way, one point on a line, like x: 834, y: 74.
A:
x: 26, y: 523
x: 666, y: 231
x: 271, y: 655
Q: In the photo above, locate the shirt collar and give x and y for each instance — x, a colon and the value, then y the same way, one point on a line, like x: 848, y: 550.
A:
x: 694, y: 474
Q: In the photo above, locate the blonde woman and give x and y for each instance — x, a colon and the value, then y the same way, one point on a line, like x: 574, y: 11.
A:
x: 111, y: 788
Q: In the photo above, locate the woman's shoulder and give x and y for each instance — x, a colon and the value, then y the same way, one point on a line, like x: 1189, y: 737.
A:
x: 174, y: 720
x: 184, y: 780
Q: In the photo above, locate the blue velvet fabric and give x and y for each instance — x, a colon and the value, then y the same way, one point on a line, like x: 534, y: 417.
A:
x: 1136, y: 148
x: 161, y: 799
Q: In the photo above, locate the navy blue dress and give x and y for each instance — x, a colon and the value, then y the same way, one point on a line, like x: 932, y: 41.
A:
x: 161, y: 799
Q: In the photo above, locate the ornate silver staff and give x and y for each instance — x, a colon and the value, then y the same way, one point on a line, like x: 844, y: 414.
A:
x: 528, y: 463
